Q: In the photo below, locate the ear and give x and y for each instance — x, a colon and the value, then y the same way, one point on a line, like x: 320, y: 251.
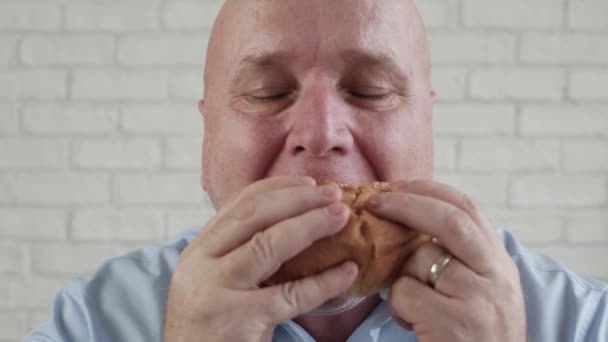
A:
x: 203, y: 179
x: 201, y: 107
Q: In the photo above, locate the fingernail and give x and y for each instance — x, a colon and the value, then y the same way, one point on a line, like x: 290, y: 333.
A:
x: 309, y: 180
x: 330, y: 191
x: 335, y: 209
x: 376, y: 201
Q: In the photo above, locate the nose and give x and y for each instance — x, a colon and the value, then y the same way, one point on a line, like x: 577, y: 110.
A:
x: 319, y: 125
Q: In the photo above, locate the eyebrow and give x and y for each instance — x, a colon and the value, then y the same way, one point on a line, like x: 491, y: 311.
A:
x: 353, y: 59
x: 380, y: 62
x: 256, y: 64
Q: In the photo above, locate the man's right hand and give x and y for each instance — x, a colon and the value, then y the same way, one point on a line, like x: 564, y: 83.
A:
x: 215, y: 292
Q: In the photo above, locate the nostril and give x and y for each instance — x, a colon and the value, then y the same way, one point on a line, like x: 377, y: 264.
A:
x: 300, y: 149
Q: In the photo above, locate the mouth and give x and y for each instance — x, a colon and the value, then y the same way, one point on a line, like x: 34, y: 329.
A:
x: 341, y: 179
x: 345, y: 173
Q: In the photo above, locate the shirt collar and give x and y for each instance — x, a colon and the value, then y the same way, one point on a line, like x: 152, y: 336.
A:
x: 370, y: 328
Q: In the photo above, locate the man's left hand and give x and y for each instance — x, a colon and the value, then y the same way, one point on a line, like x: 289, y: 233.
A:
x: 477, y: 296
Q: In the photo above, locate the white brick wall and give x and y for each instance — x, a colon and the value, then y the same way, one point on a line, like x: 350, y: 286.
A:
x: 100, y: 137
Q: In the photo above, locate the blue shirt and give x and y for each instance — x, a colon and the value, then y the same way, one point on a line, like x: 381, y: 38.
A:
x: 124, y: 300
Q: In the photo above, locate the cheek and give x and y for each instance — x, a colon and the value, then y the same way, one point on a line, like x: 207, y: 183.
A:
x: 236, y: 154
x: 399, y: 147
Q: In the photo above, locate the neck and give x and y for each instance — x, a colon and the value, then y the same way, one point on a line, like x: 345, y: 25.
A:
x: 338, y: 327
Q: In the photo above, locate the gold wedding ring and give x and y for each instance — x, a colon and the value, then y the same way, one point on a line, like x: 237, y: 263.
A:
x: 437, y: 267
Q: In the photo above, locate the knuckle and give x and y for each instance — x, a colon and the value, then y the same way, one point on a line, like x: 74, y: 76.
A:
x: 402, y: 300
x: 245, y: 208
x: 261, y: 247
x: 290, y: 298
x: 467, y: 203
x: 458, y: 224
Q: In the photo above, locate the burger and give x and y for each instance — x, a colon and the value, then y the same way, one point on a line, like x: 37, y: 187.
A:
x: 378, y: 246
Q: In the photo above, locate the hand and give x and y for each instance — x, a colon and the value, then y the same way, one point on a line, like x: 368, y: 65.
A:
x: 215, y: 292
x: 478, y: 296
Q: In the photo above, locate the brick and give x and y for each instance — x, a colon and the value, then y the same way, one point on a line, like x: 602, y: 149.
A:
x: 116, y: 154
x: 589, y: 85
x: 564, y: 49
x: 33, y: 84
x: 33, y: 153
x: 190, y: 15
x: 12, y: 324
x: 29, y: 16
x: 515, y: 14
x: 175, y: 188
x: 57, y: 188
x: 9, y: 121
x: 182, y: 219
x: 445, y: 154
x: 493, y: 154
x: 474, y: 119
x: 586, y: 260
x: 8, y: 50
x: 530, y: 227
x: 484, y: 189
x: 564, y: 120
x: 12, y: 258
x: 438, y: 14
x: 472, y: 48
x: 586, y: 156
x: 162, y: 49
x: 119, y: 85
x: 117, y: 225
x: 35, y: 319
x: 537, y: 230
x: 548, y: 190
x: 588, y: 15
x: 115, y: 16
x: 65, y: 50
x: 187, y: 84
x: 70, y: 118
x: 7, y: 290
x: 69, y: 258
x: 587, y: 227
x: 517, y: 84
x: 162, y: 119
x: 7, y: 190
x: 33, y: 224
x: 183, y: 153
x: 449, y: 83
x: 37, y: 292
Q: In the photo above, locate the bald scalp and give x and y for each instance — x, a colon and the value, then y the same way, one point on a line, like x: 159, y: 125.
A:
x: 236, y: 13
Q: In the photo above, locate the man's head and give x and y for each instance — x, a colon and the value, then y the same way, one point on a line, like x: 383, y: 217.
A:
x: 335, y: 90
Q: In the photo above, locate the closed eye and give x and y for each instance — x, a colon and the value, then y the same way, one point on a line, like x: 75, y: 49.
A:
x: 266, y: 99
x: 369, y: 96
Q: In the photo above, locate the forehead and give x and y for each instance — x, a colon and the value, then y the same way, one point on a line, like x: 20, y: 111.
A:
x: 320, y: 29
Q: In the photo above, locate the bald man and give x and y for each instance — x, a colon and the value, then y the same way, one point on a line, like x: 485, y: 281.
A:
x: 298, y: 91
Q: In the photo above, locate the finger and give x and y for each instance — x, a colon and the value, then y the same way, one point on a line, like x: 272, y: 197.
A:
x: 414, y: 302
x: 257, y: 213
x: 263, y: 255
x: 448, y: 194
x: 266, y: 184
x: 289, y: 300
x: 455, y: 280
x: 276, y: 183
x: 453, y: 227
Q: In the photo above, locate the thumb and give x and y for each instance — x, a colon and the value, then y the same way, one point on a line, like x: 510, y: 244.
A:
x: 289, y: 300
